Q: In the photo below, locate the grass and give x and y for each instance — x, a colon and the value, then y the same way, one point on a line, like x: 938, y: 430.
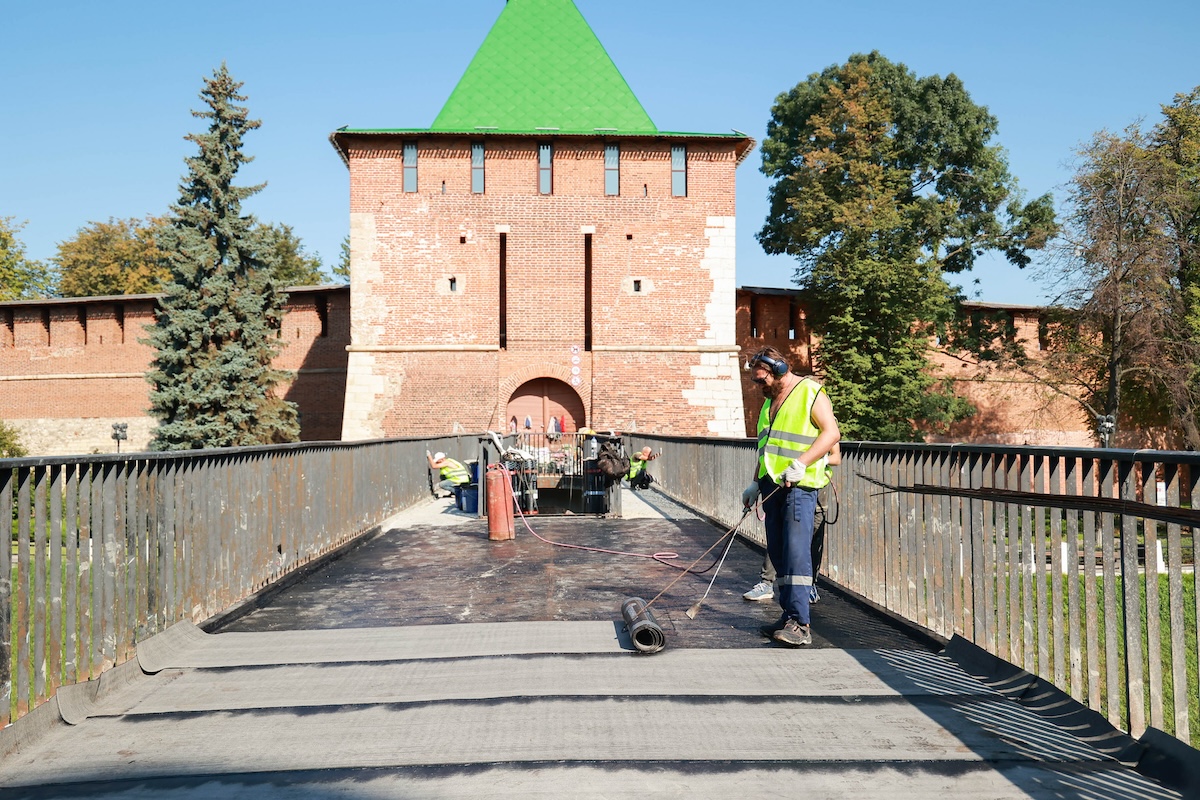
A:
x: 1044, y: 660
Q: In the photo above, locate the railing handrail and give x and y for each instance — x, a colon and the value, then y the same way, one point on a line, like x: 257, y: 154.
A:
x: 111, y: 549
x: 1048, y: 584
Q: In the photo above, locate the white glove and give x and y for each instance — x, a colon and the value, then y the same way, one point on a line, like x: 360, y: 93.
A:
x: 750, y: 494
x: 794, y: 472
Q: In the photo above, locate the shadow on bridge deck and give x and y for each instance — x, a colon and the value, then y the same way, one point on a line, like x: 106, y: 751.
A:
x: 363, y: 681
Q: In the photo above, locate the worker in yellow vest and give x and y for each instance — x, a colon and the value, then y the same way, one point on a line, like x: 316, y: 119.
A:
x: 825, y: 514
x: 638, y: 477
x: 796, y: 431
x: 453, y: 473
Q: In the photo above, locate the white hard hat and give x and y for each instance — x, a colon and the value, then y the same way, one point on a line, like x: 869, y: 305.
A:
x: 438, y: 456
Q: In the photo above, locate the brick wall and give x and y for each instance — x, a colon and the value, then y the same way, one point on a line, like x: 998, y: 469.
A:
x: 426, y: 286
x: 71, y: 368
x: 1010, y: 408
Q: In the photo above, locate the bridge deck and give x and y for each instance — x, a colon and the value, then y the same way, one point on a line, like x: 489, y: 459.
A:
x: 431, y: 662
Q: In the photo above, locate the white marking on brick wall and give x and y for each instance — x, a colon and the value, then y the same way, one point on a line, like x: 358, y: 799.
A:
x: 717, y: 382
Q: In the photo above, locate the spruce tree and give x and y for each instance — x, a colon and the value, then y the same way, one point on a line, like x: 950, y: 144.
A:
x: 216, y: 332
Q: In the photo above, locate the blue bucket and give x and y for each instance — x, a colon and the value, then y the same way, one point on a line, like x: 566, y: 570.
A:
x: 470, y: 499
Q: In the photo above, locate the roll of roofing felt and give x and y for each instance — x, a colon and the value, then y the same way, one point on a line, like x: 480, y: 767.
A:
x: 644, y: 630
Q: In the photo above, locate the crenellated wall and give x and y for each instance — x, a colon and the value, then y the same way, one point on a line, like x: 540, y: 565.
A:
x: 70, y: 368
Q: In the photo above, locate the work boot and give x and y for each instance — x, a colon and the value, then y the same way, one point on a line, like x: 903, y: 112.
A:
x: 769, y: 631
x: 793, y: 634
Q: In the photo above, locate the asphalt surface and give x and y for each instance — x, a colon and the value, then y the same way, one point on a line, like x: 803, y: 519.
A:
x: 435, y: 565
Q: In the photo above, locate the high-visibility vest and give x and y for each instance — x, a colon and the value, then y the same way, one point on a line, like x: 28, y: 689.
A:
x: 636, y: 465
x: 790, y: 435
x: 455, y: 471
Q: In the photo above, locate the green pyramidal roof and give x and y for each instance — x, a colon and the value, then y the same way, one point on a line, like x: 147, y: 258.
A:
x: 542, y: 68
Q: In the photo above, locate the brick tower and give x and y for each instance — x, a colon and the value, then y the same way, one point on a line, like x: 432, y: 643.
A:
x: 542, y: 250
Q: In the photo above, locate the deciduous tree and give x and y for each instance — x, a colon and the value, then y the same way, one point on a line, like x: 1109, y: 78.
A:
x: 120, y: 256
x: 10, y: 442
x: 215, y: 335
x: 1122, y: 338
x: 1117, y: 269
x: 287, y: 258
x: 883, y: 182
x: 20, y: 276
x: 1176, y: 142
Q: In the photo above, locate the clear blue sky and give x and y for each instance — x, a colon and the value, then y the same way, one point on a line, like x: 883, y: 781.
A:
x: 97, y: 96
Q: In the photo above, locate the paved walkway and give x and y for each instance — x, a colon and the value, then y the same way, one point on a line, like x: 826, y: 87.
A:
x: 431, y: 662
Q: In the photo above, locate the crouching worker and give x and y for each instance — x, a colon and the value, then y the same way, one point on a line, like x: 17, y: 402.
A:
x: 796, y: 431
x: 452, y: 473
x: 639, y: 477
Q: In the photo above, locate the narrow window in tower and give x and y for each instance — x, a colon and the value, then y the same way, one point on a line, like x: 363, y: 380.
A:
x: 477, y: 154
x: 793, y: 319
x: 612, y: 169
x: 637, y: 286
x: 10, y: 337
x: 323, y: 315
x: 753, y: 317
x: 453, y: 284
x: 82, y: 311
x: 46, y: 324
x: 119, y: 316
x: 545, y: 168
x: 410, y: 166
x: 678, y: 170
x: 503, y: 291
x: 587, y: 292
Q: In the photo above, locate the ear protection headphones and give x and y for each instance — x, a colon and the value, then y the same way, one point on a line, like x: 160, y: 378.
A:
x: 778, y: 366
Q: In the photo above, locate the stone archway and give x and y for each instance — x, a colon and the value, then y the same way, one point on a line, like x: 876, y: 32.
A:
x: 535, y: 402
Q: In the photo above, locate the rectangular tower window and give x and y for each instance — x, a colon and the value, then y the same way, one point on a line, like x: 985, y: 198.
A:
x: 545, y: 168
x: 410, y: 166
x: 678, y: 170
x: 477, y: 153
x: 503, y: 299
x: 612, y: 169
x: 587, y: 292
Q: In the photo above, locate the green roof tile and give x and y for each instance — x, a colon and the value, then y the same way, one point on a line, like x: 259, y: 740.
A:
x: 541, y: 68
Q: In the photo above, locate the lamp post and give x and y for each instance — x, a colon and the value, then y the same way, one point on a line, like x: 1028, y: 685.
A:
x: 1105, y: 425
x: 120, y: 431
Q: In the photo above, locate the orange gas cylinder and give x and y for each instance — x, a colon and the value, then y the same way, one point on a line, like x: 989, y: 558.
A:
x: 499, y: 504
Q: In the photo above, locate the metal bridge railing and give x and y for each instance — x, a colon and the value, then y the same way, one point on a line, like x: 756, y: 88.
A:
x: 109, y: 550
x: 1077, y: 565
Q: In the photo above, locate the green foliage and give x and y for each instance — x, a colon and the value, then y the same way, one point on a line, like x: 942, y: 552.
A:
x: 216, y: 331
x: 883, y: 182
x: 1124, y: 336
x: 10, y: 442
x: 20, y: 277
x: 342, y: 270
x: 1176, y: 142
x: 284, y: 254
x: 120, y: 256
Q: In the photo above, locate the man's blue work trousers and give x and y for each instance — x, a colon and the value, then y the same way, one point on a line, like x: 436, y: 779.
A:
x: 789, y: 523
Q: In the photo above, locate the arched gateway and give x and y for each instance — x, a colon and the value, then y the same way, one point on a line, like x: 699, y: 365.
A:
x: 535, y: 403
